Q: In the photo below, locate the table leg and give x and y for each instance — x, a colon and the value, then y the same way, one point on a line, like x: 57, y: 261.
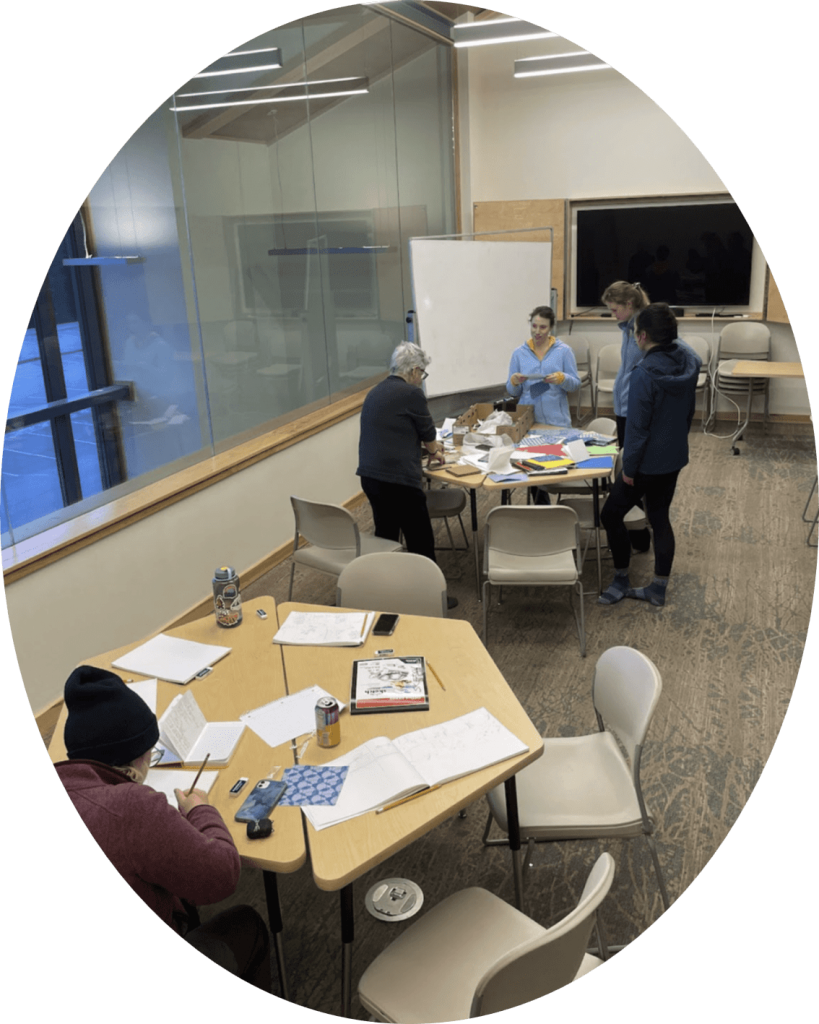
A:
x: 274, y: 917
x: 514, y: 838
x: 473, y: 509
x: 346, y: 949
x: 741, y: 430
x: 596, y: 504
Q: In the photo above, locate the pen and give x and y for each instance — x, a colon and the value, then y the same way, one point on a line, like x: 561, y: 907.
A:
x: 201, y: 769
x: 432, y: 670
x: 406, y: 799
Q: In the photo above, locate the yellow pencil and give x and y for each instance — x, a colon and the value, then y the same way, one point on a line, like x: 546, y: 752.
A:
x: 201, y: 769
x: 432, y: 670
x: 406, y: 799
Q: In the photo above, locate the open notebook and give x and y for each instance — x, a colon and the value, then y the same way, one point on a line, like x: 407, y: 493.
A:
x: 185, y: 731
x: 383, y: 770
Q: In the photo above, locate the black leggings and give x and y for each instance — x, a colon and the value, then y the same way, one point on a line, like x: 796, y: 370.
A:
x: 656, y: 493
x: 400, y: 509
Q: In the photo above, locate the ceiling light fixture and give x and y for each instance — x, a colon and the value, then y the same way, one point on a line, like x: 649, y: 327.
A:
x: 241, y: 62
x: 498, y: 30
x: 291, y: 93
x: 558, y: 64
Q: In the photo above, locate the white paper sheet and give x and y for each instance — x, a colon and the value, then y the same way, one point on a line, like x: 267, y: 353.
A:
x: 286, y: 719
x: 170, y: 658
x: 167, y: 780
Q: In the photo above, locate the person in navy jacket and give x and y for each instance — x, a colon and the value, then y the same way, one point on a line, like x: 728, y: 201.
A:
x: 661, y: 400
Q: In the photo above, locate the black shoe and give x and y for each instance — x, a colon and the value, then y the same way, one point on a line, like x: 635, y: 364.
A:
x: 451, y: 602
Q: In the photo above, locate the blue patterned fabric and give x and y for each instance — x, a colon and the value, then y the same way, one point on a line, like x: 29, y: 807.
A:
x: 312, y: 784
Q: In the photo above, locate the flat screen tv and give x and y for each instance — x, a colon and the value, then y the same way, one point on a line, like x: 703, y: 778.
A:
x: 696, y: 255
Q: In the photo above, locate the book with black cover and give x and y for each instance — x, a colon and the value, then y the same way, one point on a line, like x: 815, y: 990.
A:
x: 389, y: 684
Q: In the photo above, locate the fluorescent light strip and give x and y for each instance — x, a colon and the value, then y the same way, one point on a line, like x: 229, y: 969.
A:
x: 242, y: 53
x: 259, y: 88
x: 558, y: 64
x: 275, y: 99
x: 499, y: 30
x: 561, y: 71
x: 238, y: 71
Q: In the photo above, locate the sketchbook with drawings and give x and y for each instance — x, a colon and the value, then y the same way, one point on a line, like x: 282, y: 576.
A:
x: 383, y: 770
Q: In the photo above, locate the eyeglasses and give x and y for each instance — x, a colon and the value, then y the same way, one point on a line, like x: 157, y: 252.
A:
x: 156, y: 756
x: 424, y: 373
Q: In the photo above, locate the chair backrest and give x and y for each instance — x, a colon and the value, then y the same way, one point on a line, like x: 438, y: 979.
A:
x: 744, y: 339
x: 603, y: 425
x: 393, y: 581
x: 608, y: 361
x: 531, y: 529
x: 701, y: 347
x: 326, y: 526
x: 551, y: 961
x: 625, y: 692
x: 580, y: 347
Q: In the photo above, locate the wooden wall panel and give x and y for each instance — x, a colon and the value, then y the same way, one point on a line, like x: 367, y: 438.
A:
x: 775, y: 308
x: 518, y: 214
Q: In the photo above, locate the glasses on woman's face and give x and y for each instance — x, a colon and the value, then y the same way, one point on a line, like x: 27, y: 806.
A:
x: 423, y: 372
x: 156, y: 756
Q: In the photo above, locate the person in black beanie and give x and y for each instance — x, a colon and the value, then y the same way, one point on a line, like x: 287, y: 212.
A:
x: 174, y: 859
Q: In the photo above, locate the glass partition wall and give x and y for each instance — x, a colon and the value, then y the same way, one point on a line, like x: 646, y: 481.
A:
x: 241, y: 262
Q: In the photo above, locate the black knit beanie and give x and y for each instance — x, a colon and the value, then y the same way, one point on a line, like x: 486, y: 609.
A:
x: 107, y: 721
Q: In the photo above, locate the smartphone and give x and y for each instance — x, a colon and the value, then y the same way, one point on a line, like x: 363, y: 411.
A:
x: 385, y: 625
x: 261, y: 800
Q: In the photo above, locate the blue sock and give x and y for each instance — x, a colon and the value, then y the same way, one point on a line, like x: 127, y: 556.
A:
x: 654, y: 593
x: 617, y: 589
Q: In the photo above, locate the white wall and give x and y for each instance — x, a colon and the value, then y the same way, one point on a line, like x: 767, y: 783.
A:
x: 132, y: 582
x: 585, y: 136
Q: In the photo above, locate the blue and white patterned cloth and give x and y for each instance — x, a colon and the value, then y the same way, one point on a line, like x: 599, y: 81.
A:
x: 312, y: 784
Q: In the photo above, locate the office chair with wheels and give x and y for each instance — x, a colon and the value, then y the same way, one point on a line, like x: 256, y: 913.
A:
x: 533, y: 545
x: 584, y: 787
x: 393, y: 581
x: 474, y: 954
x: 333, y: 539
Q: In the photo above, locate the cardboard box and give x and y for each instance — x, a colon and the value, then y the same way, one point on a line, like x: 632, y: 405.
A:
x: 523, y: 419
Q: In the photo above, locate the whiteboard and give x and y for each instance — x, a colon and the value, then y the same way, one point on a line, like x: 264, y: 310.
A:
x: 472, y: 301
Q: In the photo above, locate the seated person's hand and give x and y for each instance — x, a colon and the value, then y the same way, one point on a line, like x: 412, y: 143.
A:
x: 187, y: 801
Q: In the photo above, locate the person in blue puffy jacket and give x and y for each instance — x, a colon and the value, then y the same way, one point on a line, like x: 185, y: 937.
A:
x: 661, y: 400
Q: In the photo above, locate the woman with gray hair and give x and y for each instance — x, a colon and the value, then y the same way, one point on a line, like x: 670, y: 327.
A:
x: 396, y: 428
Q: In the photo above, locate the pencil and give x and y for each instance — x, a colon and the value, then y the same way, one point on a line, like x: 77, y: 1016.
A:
x: 432, y: 670
x: 201, y: 769
x: 406, y: 799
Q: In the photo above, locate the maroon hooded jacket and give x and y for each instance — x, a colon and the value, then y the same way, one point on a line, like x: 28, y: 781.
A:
x: 164, y: 856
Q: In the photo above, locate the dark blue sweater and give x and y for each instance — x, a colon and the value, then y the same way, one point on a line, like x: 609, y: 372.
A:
x: 661, y: 399
x: 395, y: 420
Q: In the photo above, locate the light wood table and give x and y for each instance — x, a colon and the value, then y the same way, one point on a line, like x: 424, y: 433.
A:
x: 250, y: 676
x: 344, y: 852
x: 760, y: 369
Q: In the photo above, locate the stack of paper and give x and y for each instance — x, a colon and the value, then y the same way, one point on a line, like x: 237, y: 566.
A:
x: 325, y: 629
x: 169, y: 658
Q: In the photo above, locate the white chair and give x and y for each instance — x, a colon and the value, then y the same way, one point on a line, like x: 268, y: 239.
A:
x: 333, y: 539
x: 533, y: 545
x: 703, y: 350
x: 580, y: 347
x: 584, y: 787
x: 742, y: 340
x: 393, y: 581
x: 608, y: 364
x: 446, y: 503
x: 474, y: 954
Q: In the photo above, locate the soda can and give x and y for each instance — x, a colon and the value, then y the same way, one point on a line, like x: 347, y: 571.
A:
x: 328, y: 726
x: 227, y: 602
